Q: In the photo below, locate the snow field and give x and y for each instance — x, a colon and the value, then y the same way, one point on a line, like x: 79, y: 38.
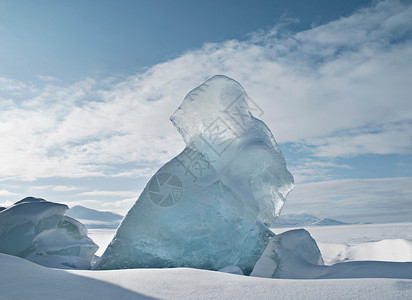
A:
x: 22, y: 279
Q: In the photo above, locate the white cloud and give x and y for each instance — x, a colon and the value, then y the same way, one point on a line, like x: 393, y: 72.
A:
x: 6, y: 203
x: 394, y: 138
x: 6, y: 193
x: 58, y: 188
x: 11, y: 85
x: 122, y: 206
x: 48, y: 78
x: 385, y: 199
x: 109, y: 193
x: 307, y: 170
x: 316, y: 88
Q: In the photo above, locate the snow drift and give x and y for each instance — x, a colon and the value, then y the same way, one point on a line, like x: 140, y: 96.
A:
x: 21, y: 279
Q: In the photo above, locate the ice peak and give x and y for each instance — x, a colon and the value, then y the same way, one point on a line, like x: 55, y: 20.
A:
x: 218, y: 99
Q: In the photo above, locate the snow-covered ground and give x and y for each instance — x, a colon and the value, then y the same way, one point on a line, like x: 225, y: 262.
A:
x: 21, y: 279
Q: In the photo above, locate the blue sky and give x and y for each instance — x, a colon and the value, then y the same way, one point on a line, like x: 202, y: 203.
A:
x: 72, y: 40
x: 87, y: 87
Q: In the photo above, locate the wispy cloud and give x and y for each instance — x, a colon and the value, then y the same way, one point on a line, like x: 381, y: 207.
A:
x: 58, y: 188
x: 318, y: 88
x: 306, y: 170
x: 356, y: 200
x: 48, y: 78
x: 388, y: 139
x: 122, y: 206
x: 6, y: 203
x: 109, y: 194
x: 5, y: 193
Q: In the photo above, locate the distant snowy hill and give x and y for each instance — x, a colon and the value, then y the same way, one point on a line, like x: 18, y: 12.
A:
x: 299, y: 220
x: 95, y: 218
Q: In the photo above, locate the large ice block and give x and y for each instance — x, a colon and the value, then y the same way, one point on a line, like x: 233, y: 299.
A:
x: 209, y: 207
x: 39, y: 231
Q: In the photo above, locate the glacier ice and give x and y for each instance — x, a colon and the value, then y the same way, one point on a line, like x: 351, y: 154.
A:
x: 209, y: 207
x: 38, y: 230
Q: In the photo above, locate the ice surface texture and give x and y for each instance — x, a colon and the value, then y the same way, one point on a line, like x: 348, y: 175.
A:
x: 39, y: 231
x: 209, y: 207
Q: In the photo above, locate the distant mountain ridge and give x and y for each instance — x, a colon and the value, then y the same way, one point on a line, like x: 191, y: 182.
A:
x: 93, y: 218
x: 299, y: 220
x: 82, y: 212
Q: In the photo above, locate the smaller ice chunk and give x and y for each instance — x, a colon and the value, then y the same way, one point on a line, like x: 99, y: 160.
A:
x: 38, y: 230
x: 291, y: 254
